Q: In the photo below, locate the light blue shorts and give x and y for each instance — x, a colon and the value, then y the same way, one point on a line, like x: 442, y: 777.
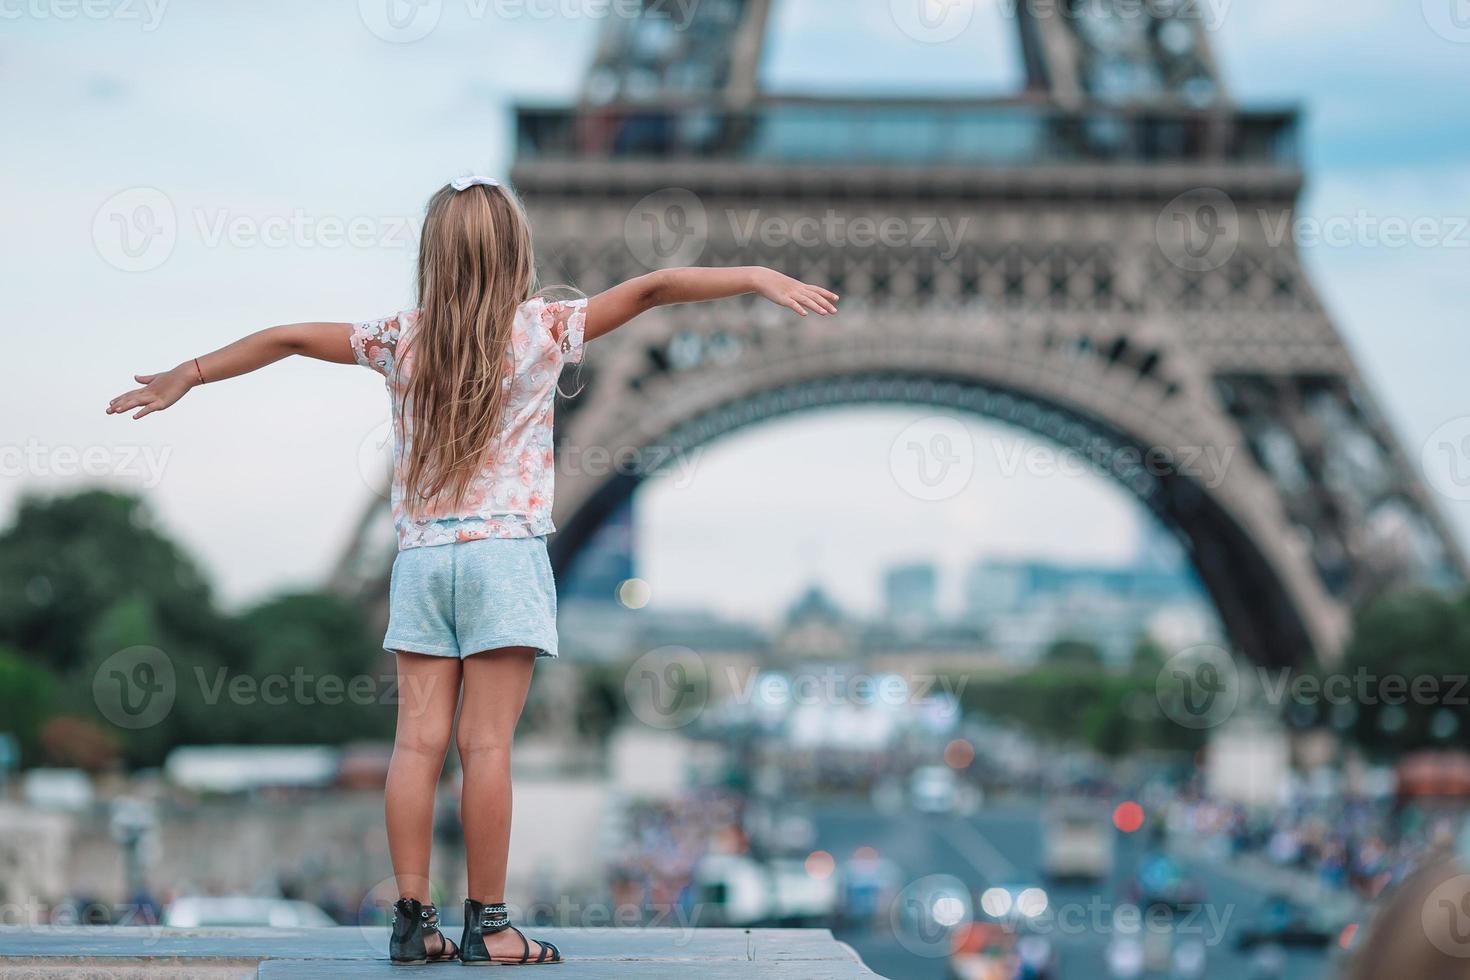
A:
x: 454, y: 600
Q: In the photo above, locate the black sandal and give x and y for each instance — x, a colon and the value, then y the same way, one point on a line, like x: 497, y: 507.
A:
x: 486, y: 920
x: 413, y: 922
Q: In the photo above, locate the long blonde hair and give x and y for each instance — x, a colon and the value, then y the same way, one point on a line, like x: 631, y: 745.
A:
x: 475, y: 268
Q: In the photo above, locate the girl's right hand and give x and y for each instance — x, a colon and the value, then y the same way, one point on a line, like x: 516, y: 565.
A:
x: 159, y: 391
x: 795, y: 294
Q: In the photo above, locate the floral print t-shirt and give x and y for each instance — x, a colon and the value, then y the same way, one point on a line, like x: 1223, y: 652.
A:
x: 510, y: 496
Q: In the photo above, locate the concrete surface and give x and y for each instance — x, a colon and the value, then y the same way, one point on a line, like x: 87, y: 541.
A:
x: 125, y: 953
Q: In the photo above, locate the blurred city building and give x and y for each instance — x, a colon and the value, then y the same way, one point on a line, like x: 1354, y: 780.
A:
x: 911, y: 596
x: 1014, y: 611
x: 1022, y: 606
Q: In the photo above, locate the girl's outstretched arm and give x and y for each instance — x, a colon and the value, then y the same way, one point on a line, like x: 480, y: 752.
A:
x: 610, y: 310
x: 323, y: 341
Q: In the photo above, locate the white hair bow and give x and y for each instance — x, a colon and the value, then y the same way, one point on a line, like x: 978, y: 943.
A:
x: 460, y: 183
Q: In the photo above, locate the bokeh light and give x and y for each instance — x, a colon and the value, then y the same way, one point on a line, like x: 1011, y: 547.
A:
x: 959, y: 754
x: 634, y: 593
x: 1128, y: 817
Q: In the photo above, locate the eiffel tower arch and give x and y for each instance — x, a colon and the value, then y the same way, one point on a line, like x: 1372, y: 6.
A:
x: 1096, y: 258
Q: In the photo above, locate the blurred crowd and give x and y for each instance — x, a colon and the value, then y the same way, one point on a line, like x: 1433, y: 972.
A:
x: 1352, y: 844
x: 664, y: 843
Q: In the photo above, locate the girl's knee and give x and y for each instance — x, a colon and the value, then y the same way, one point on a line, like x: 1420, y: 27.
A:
x: 474, y: 741
x: 431, y: 740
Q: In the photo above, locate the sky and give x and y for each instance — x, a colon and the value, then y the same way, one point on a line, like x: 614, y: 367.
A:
x: 272, y: 128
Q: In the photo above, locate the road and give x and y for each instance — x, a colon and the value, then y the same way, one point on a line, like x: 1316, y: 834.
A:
x: 1003, y: 847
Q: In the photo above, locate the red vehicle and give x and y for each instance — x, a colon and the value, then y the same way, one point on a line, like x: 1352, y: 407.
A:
x: 983, y: 951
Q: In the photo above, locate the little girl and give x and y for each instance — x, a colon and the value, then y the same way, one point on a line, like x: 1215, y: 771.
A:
x: 472, y: 376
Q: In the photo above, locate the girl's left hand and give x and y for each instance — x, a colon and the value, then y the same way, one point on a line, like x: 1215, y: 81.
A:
x: 795, y: 294
x: 159, y: 391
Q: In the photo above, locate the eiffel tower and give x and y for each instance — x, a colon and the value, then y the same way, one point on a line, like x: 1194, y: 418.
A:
x: 1112, y: 284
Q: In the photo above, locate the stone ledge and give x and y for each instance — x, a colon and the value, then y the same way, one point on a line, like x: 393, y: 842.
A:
x: 125, y: 953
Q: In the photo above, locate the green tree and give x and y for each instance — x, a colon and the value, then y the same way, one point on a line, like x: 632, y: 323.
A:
x: 313, y: 674
x: 1412, y: 648
x: 1106, y: 727
x: 86, y: 576
x: 27, y: 698
x: 1073, y: 654
x: 135, y: 621
x: 67, y: 560
x: 1147, y: 657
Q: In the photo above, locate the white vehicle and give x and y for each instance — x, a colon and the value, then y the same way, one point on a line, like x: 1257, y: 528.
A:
x: 738, y: 891
x: 65, y: 790
x: 1077, y: 844
x: 243, y: 910
x: 799, y: 897
x: 733, y: 888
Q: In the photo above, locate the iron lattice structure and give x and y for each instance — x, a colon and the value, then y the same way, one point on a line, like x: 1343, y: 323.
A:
x: 1115, y: 282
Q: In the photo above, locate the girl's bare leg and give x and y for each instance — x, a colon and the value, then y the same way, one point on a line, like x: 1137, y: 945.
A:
x: 428, y: 690
x: 495, y: 686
